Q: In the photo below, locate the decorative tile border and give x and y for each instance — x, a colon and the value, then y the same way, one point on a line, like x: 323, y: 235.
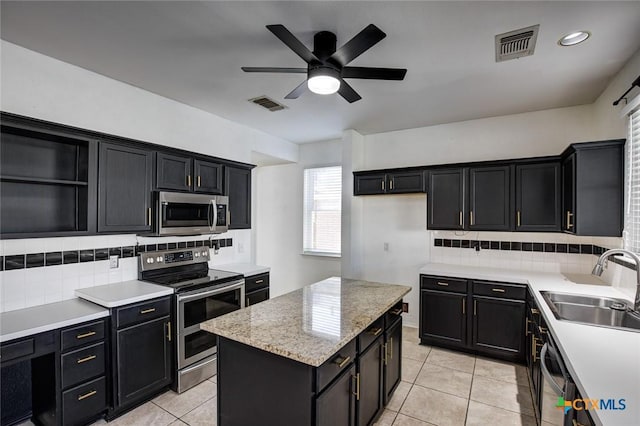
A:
x: 36, y: 260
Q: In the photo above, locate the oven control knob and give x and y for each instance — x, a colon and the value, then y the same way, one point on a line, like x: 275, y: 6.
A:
x: 196, y: 254
x: 149, y: 259
x: 159, y: 258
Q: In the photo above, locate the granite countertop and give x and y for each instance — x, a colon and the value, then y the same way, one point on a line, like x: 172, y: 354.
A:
x: 38, y: 319
x: 246, y: 269
x: 604, y: 362
x: 312, y: 323
x: 124, y: 293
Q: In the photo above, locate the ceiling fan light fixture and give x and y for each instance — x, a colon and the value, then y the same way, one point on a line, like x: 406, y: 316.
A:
x: 323, y: 80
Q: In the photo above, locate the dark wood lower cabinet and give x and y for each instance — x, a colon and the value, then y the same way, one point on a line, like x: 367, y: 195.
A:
x: 369, y: 376
x: 498, y: 326
x: 443, y: 317
x: 337, y: 404
x: 392, y: 359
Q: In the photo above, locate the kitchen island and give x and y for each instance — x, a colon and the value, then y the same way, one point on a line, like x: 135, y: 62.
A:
x: 326, y: 354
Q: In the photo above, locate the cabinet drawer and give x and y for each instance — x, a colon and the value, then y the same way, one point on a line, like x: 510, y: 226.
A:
x: 370, y: 334
x: 502, y: 290
x: 393, y: 315
x: 82, y: 364
x: 84, y: 402
x: 82, y: 335
x: 143, y: 311
x: 443, y: 283
x: 334, y: 365
x: 17, y: 350
x: 256, y: 282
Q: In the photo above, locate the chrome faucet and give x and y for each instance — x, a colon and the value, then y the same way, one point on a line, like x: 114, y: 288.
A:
x: 600, y: 265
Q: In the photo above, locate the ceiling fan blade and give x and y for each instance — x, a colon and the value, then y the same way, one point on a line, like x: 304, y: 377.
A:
x: 374, y: 73
x: 295, y: 93
x: 362, y: 41
x: 292, y: 42
x: 348, y: 93
x: 280, y: 70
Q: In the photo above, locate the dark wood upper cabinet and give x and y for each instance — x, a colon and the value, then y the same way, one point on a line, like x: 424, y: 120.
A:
x: 397, y: 182
x: 489, y: 198
x: 593, y: 183
x: 124, y: 188
x: 538, y: 197
x: 173, y: 172
x: 238, y: 189
x: 207, y: 177
x: 446, y: 199
x: 369, y: 184
x: 405, y: 182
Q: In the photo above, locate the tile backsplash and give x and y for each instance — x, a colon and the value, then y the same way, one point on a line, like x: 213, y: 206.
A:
x: 45, y: 270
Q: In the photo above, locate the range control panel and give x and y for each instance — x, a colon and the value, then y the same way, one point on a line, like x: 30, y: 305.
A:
x: 164, y: 259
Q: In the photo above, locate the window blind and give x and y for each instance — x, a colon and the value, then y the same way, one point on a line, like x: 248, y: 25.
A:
x: 632, y: 208
x: 322, y: 210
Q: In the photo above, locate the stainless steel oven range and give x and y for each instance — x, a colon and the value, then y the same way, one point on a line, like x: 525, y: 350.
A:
x: 201, y: 294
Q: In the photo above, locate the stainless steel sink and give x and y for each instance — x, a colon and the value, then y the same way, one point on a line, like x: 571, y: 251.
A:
x: 592, y: 310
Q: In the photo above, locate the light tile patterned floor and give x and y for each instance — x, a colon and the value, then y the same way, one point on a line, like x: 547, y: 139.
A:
x: 439, y: 387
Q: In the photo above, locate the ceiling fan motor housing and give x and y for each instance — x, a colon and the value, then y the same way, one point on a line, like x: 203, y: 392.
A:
x: 324, y: 44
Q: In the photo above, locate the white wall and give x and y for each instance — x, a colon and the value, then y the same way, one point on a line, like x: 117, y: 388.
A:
x: 279, y: 221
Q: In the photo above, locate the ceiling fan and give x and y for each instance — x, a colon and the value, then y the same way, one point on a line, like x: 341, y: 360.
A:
x: 326, y: 67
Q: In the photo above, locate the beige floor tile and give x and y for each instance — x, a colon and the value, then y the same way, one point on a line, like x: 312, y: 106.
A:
x: 410, y: 334
x: 386, y: 419
x: 445, y: 379
x: 204, y: 415
x: 178, y: 423
x: 451, y: 359
x: 213, y: 379
x: 399, y: 396
x: 415, y: 351
x: 434, y: 407
x: 502, y: 370
x: 410, y: 369
x: 482, y: 414
x: 146, y: 414
x: 403, y: 420
x: 181, y: 404
x: 501, y: 394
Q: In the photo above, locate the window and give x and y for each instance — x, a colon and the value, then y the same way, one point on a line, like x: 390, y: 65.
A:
x: 632, y: 208
x: 322, y: 211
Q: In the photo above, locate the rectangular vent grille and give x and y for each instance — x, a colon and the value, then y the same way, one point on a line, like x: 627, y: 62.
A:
x: 267, y: 103
x: 516, y: 44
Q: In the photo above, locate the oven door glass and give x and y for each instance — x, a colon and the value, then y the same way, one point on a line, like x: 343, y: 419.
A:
x: 185, y: 214
x: 198, y: 342
x: 209, y: 307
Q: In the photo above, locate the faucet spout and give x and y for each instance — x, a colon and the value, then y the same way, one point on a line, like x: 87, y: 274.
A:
x: 599, y: 268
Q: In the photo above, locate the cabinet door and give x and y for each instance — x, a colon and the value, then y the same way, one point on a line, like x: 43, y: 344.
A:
x: 498, y: 326
x: 392, y: 363
x: 143, y: 360
x: 124, y: 189
x: 238, y: 189
x: 489, y: 200
x: 405, y: 182
x: 443, y: 317
x: 445, y: 199
x: 538, y: 197
x: 336, y: 405
x: 568, y: 193
x: 370, y: 383
x: 369, y: 184
x: 173, y: 172
x: 207, y: 177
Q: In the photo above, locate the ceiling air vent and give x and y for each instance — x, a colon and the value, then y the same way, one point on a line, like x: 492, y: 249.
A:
x: 267, y: 103
x: 516, y: 44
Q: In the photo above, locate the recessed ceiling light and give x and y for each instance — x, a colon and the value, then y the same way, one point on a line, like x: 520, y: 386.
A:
x: 574, y: 38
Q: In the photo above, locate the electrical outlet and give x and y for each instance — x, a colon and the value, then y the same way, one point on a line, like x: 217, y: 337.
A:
x: 113, y: 262
x: 386, y: 246
x: 405, y: 307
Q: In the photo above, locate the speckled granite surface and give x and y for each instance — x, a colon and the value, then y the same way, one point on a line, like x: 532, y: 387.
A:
x: 312, y: 323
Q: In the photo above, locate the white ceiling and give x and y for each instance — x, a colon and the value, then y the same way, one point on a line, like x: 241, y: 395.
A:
x: 192, y: 52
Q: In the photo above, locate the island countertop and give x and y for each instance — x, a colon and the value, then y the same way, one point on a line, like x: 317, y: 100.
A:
x: 310, y: 324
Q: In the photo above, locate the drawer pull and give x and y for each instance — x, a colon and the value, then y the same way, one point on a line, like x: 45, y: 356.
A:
x: 397, y: 311
x: 169, y: 331
x: 375, y: 331
x: 384, y: 354
x: 148, y: 311
x: 89, y: 358
x: 527, y: 327
x: 87, y: 395
x: 89, y: 334
x: 498, y: 290
x: 259, y: 281
x: 443, y: 284
x: 341, y: 361
x: 391, y: 348
x: 542, y: 330
x: 534, y: 311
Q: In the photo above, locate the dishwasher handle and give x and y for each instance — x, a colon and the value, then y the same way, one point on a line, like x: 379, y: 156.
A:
x: 545, y: 371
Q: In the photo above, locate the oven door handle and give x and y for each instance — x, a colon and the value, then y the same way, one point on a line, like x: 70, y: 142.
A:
x: 210, y: 292
x: 545, y: 371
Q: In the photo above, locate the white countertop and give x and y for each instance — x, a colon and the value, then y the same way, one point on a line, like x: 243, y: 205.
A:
x: 38, y: 319
x: 604, y: 362
x: 119, y: 294
x: 246, y: 269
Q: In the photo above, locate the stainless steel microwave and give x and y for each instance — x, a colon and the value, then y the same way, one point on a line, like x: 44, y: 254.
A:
x: 190, y: 214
